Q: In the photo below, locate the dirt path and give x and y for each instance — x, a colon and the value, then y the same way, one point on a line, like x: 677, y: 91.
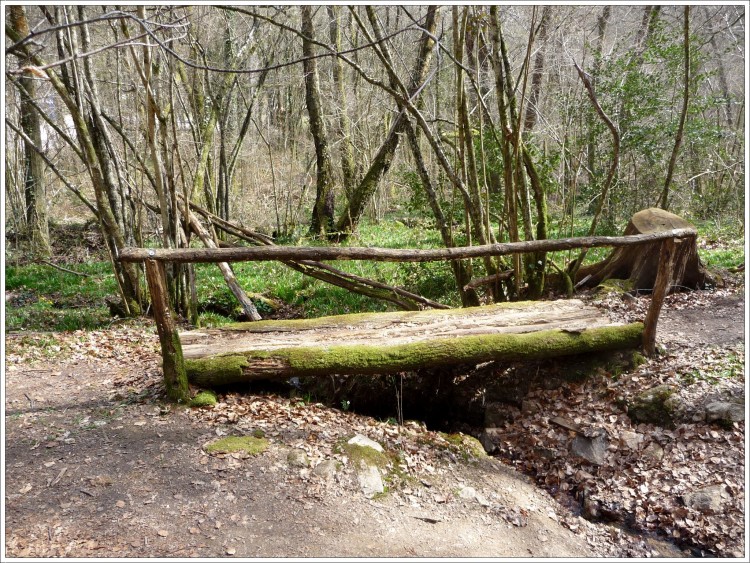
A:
x: 87, y: 477
x: 97, y: 466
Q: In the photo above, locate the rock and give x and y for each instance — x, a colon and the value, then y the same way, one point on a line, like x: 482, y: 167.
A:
x: 370, y: 480
x: 592, y: 447
x: 488, y: 438
x: 297, y: 458
x: 656, y: 405
x: 632, y: 440
x: 326, y: 469
x: 365, y: 442
x: 707, y: 499
x: 654, y: 452
x: 467, y: 493
x: 723, y: 411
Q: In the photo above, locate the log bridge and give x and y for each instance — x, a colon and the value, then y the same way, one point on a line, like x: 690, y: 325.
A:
x: 379, y: 343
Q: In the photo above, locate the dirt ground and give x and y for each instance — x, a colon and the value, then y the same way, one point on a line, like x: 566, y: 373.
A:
x: 98, y: 465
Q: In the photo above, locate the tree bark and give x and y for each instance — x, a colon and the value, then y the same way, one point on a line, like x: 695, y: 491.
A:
x: 640, y: 264
x: 664, y: 198
x: 259, y: 253
x: 175, y: 379
x: 323, y: 211
x: 349, y: 169
x: 35, y: 191
x: 380, y: 343
x: 383, y: 159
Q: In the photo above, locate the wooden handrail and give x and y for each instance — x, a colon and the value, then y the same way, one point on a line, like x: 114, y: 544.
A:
x: 260, y: 253
x: 174, y: 366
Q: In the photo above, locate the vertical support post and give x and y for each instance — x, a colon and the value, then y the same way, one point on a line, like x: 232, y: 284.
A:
x: 175, y: 377
x: 661, y: 287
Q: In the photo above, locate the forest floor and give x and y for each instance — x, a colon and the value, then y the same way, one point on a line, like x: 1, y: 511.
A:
x: 98, y: 465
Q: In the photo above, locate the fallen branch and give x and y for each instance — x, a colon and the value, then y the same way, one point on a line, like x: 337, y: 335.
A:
x: 486, y: 280
x: 327, y: 273
x: 82, y: 274
x: 247, y: 306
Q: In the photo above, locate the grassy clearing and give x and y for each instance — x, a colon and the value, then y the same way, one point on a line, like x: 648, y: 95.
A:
x: 42, y: 298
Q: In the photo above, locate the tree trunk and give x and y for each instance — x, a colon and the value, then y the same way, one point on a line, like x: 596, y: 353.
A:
x: 664, y: 198
x: 380, y: 343
x: 384, y: 157
x: 349, y: 169
x: 322, y: 216
x: 35, y: 192
x: 639, y: 264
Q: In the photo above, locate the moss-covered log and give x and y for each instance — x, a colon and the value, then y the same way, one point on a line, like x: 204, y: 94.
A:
x: 379, y: 343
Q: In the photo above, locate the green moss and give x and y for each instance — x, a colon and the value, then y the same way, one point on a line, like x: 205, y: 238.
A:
x: 614, y: 285
x: 175, y: 375
x: 655, y: 406
x: 205, y: 398
x: 467, y: 446
x: 229, y: 444
x: 441, y: 351
x: 363, y: 359
x: 637, y: 359
x: 216, y: 370
x: 362, y: 454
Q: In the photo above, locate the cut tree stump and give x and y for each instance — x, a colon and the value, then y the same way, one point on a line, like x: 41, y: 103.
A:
x: 381, y: 343
x: 640, y: 264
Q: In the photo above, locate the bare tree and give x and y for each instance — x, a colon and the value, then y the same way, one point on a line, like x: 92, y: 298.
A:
x: 35, y: 193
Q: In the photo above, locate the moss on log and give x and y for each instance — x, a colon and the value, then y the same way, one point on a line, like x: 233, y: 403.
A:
x: 239, y: 365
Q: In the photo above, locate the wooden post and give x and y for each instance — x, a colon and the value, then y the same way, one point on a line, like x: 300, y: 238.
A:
x: 661, y: 287
x: 175, y: 377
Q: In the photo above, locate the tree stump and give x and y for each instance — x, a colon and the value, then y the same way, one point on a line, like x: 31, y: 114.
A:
x: 639, y: 264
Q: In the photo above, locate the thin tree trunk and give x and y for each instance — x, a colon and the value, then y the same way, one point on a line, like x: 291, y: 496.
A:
x: 322, y: 216
x: 348, y: 166
x: 585, y: 78
x: 664, y: 198
x: 384, y: 157
x: 226, y: 270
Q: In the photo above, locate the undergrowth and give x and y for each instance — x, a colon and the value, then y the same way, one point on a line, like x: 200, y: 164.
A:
x: 40, y: 297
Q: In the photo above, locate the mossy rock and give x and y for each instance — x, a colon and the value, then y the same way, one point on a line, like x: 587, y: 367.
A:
x: 231, y: 444
x: 205, y: 398
x: 655, y: 406
x: 468, y: 446
x: 613, y: 285
x: 359, y: 455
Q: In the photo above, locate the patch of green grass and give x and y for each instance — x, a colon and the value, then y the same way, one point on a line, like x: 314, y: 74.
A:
x: 721, y: 245
x: 714, y: 258
x: 44, y: 298
x: 213, y: 320
x: 731, y: 367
